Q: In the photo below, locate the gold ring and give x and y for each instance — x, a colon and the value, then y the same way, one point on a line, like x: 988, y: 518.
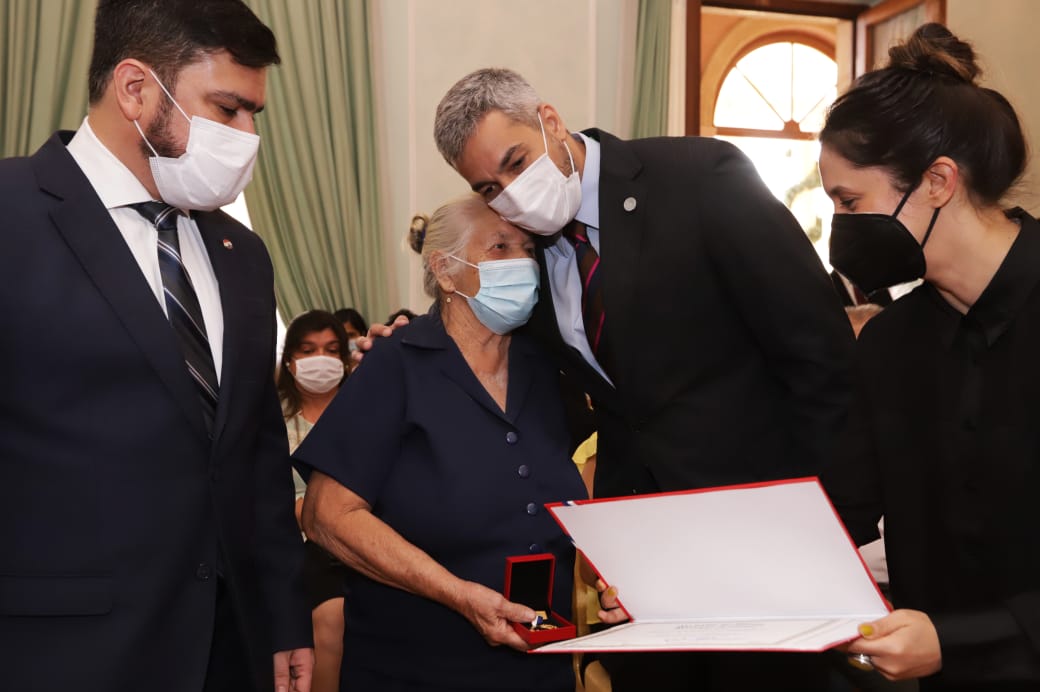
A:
x: 861, y: 661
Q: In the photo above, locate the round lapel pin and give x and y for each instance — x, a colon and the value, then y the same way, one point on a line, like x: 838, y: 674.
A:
x: 228, y: 245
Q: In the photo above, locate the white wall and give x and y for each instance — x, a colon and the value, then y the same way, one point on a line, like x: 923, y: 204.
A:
x: 1004, y: 34
x: 576, y: 53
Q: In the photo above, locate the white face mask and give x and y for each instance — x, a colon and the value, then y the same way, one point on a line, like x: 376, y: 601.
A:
x: 541, y: 199
x: 318, y: 374
x: 214, y: 168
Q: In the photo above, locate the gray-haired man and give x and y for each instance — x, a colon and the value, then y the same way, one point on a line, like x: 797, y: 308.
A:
x: 687, y: 302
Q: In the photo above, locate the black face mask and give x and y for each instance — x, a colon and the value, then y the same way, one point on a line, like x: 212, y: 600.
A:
x: 876, y: 251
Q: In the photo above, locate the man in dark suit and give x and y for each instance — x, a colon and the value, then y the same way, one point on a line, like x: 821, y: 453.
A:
x: 148, y: 535
x: 709, y: 337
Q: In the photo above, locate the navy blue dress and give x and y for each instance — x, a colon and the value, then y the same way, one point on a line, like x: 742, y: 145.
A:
x: 416, y: 435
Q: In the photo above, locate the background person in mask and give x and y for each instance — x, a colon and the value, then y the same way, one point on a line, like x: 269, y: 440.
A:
x: 743, y: 375
x: 150, y: 544
x: 944, y: 436
x: 433, y: 465
x: 315, y: 361
x: 314, y: 358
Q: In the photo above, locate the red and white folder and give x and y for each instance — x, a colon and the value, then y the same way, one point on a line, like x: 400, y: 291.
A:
x: 766, y: 567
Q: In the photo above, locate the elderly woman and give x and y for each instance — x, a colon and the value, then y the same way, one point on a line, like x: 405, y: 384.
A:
x: 432, y: 467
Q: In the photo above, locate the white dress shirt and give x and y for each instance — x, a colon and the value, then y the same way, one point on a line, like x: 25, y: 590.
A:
x: 563, y: 268
x: 117, y: 187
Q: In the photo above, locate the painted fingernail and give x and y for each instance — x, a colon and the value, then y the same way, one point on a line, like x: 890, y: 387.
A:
x: 866, y: 630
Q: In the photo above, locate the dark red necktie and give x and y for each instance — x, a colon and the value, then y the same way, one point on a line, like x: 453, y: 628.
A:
x: 591, y: 287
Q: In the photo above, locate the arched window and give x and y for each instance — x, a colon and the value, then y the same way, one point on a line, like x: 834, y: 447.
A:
x: 772, y: 103
x: 779, y: 89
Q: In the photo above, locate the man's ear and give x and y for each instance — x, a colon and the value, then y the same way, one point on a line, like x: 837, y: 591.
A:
x: 940, y: 181
x: 552, y: 122
x: 134, y: 89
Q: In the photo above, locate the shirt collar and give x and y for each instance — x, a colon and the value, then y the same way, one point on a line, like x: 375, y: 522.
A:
x: 588, y: 212
x: 1011, y: 286
x: 115, y: 185
x: 428, y: 332
x: 949, y: 320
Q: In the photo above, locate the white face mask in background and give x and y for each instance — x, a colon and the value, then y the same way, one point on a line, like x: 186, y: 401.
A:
x: 318, y: 374
x: 541, y: 199
x: 214, y: 168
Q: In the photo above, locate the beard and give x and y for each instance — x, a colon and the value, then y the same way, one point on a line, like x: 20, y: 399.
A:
x: 159, y: 135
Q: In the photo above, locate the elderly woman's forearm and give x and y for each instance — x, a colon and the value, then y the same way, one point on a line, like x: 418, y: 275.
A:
x: 343, y: 524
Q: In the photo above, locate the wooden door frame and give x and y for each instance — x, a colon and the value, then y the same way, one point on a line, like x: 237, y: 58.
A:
x: 935, y: 11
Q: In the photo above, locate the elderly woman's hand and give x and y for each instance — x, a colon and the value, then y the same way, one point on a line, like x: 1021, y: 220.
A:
x: 491, y: 614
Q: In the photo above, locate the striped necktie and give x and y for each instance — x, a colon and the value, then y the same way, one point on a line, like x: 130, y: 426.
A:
x: 182, y: 306
x: 589, y: 273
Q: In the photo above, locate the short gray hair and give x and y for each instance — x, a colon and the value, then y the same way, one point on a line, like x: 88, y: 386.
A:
x: 472, y: 97
x: 446, y: 232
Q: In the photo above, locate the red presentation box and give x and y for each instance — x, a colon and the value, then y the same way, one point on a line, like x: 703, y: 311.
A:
x: 529, y: 580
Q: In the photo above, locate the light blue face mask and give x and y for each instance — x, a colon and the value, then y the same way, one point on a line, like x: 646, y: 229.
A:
x: 508, y: 292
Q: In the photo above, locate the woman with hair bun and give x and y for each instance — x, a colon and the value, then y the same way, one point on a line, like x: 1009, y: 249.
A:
x: 944, y: 437
x: 432, y: 466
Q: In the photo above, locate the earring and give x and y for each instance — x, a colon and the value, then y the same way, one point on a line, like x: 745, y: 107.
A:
x: 447, y: 299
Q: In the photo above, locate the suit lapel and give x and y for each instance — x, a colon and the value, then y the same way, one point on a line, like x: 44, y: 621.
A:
x: 623, y: 201
x: 230, y: 282
x: 93, y: 237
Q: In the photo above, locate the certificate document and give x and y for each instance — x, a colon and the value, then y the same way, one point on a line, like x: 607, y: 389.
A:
x: 755, y: 567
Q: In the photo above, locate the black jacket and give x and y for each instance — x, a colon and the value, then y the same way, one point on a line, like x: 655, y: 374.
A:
x: 731, y: 349
x: 120, y: 508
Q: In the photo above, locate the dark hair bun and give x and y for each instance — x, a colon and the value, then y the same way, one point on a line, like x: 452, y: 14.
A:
x: 926, y: 104
x: 934, y: 50
x: 417, y: 232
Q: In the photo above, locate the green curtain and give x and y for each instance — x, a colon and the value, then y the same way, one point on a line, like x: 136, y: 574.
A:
x: 314, y: 197
x: 44, y: 56
x: 653, y: 40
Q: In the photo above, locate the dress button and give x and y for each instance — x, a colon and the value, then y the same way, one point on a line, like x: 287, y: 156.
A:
x: 523, y: 471
x: 203, y: 572
x: 534, y: 548
x: 532, y: 508
x: 511, y: 437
